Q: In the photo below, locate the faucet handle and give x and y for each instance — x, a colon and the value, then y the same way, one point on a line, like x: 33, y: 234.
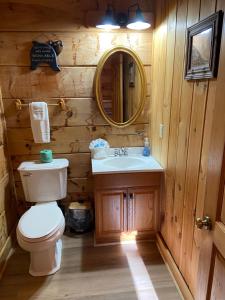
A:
x: 124, y: 151
x: 116, y: 152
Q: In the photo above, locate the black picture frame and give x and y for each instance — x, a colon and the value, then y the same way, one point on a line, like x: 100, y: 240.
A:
x: 203, y: 47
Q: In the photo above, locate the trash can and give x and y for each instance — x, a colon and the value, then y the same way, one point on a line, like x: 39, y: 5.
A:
x: 79, y: 216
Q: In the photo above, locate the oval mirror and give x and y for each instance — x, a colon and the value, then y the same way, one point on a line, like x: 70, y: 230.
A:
x: 120, y: 86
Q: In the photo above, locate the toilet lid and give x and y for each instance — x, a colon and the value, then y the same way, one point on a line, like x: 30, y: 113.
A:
x: 40, y: 220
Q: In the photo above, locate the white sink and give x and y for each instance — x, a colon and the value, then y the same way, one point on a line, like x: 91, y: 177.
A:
x: 125, y: 164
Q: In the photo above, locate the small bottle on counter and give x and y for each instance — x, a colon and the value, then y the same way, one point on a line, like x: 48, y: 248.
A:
x: 146, y: 150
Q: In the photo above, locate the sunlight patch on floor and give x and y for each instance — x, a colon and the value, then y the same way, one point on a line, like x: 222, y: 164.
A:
x: 142, y: 282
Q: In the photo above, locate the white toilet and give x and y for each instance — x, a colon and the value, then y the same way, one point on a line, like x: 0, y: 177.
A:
x: 40, y: 228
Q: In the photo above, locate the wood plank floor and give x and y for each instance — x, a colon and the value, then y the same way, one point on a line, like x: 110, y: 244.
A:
x: 115, y: 272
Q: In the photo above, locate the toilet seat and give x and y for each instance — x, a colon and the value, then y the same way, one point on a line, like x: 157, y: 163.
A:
x: 40, y: 222
x: 46, y: 238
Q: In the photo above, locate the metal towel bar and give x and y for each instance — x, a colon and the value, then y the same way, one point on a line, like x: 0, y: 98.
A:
x: 61, y: 103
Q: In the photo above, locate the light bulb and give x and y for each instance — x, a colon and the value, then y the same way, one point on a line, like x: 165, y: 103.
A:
x: 139, y: 25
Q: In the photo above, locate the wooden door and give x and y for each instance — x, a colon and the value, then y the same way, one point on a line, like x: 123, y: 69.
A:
x: 211, y: 277
x: 110, y: 211
x: 216, y: 284
x: 143, y: 211
x: 211, y: 243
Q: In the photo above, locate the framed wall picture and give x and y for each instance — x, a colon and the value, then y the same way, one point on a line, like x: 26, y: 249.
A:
x: 203, y: 47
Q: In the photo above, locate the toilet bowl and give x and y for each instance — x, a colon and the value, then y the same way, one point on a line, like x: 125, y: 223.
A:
x: 39, y: 232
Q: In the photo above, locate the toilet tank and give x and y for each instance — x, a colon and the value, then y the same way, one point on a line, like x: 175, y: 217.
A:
x: 43, y: 182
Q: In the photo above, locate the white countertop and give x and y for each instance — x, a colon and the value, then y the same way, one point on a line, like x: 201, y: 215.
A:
x: 132, y: 163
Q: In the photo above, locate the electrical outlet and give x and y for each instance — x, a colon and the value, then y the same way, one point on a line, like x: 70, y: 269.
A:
x: 161, y: 130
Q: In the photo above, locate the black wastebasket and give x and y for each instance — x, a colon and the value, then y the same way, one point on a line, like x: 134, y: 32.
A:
x: 79, y: 217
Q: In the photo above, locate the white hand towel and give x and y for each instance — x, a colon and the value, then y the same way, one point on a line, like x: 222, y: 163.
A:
x: 39, y: 122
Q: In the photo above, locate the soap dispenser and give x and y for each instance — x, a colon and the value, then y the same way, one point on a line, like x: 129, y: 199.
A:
x: 146, y: 150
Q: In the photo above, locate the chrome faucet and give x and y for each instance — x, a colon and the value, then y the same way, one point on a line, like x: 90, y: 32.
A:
x: 121, y: 151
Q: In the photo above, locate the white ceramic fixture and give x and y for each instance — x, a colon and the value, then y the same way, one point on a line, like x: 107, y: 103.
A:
x: 133, y: 162
x: 40, y: 228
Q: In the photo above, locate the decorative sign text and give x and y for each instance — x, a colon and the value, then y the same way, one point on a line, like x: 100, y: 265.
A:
x: 45, y: 53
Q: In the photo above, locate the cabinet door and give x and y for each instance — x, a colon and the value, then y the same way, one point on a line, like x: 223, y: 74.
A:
x: 111, y: 216
x: 143, y: 211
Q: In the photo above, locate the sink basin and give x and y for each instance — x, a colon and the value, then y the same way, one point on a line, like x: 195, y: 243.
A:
x: 123, y: 162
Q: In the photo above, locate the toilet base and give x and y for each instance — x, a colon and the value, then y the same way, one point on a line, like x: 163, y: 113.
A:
x: 47, y: 262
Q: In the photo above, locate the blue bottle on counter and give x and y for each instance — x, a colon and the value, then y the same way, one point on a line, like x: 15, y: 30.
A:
x: 146, y: 150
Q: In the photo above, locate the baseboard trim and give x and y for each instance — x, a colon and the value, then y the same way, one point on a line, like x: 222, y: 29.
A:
x: 173, y: 269
x: 6, y: 252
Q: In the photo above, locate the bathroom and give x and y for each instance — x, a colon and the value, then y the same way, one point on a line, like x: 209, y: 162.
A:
x: 175, y: 195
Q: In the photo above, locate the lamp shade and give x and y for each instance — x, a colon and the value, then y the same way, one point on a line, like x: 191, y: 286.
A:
x: 108, y: 21
x: 138, y: 22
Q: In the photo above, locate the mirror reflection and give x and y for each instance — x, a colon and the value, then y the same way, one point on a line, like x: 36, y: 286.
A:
x: 120, y: 87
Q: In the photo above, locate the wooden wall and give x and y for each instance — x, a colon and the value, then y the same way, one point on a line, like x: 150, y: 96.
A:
x: 8, y: 216
x: 23, y: 21
x: 185, y: 108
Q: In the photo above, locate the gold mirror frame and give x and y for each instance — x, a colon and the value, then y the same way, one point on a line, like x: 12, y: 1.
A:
x: 100, y: 66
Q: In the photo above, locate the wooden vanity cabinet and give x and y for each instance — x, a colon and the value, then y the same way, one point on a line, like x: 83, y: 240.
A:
x: 110, y: 214
x: 126, y: 206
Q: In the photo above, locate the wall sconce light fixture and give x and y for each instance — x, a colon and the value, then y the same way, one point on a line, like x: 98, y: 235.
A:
x: 138, y: 22
x: 112, y: 21
x: 108, y: 21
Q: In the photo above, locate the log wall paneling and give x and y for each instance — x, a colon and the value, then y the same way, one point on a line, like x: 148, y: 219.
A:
x: 75, y: 139
x: 80, y: 112
x: 73, y: 22
x: 168, y: 35
x: 178, y: 67
x: 8, y: 209
x: 70, y: 82
x: 182, y: 142
x: 185, y: 108
x: 80, y: 48
x: 74, y: 15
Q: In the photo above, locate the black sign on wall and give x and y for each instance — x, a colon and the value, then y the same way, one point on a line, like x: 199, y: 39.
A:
x: 45, y: 53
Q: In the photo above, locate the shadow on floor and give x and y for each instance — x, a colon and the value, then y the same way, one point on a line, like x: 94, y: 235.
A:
x: 16, y: 278
x: 115, y: 272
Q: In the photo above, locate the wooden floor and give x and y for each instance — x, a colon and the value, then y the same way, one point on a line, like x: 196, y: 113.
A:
x: 117, y: 272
